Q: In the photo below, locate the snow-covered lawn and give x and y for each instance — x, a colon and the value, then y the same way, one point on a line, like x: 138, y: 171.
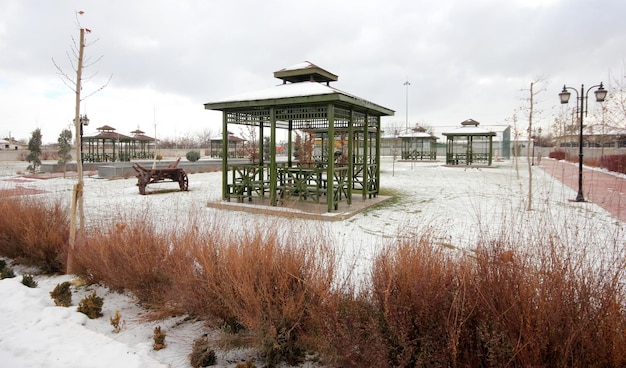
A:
x: 460, y: 206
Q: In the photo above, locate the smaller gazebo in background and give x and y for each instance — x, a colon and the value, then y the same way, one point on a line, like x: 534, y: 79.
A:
x: 236, y: 147
x: 107, y: 146
x: 419, y: 145
x: 143, y: 146
x: 469, y: 145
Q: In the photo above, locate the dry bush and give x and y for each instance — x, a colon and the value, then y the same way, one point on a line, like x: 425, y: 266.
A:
x: 498, y: 306
x: 420, y: 293
x: 129, y: 254
x: 159, y: 338
x: 549, y: 303
x: 269, y: 283
x: 349, y: 334
x: 550, y: 307
x: 34, y: 232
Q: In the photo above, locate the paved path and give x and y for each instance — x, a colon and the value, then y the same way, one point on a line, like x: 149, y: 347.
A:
x: 606, y: 190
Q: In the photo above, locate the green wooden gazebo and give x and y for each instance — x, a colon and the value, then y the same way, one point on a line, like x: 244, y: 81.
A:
x: 304, y: 102
x: 469, y: 145
x: 235, y: 147
x: 419, y: 145
x: 143, y: 146
x: 107, y: 146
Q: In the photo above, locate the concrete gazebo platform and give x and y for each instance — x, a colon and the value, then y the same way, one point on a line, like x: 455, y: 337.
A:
x: 300, y: 209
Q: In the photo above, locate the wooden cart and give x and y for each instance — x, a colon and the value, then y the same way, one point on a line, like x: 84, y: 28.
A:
x: 158, y: 175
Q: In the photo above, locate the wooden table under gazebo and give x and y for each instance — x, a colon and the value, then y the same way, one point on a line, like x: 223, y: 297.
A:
x: 304, y: 102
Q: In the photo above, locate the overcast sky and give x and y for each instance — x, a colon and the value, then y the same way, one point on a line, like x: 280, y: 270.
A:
x: 463, y: 58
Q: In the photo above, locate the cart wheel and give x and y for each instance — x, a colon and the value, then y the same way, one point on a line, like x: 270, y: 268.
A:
x: 183, y: 181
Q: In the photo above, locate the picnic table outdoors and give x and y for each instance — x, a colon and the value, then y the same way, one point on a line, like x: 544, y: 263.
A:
x: 172, y: 172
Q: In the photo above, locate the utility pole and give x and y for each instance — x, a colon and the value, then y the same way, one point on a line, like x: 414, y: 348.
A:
x: 407, y: 84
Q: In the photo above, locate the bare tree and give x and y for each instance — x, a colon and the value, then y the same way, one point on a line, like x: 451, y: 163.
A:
x: 204, y: 137
x: 76, y: 86
x: 251, y: 144
x: 615, y: 105
x: 536, y: 87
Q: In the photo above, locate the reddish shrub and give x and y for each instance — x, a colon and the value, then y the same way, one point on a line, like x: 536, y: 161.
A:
x: 558, y: 155
x: 615, y: 163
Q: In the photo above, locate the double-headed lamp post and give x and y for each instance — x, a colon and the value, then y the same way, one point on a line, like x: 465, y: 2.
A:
x: 84, y: 121
x: 582, y: 110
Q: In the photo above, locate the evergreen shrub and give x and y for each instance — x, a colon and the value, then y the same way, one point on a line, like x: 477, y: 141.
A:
x: 7, y: 273
x: 28, y: 280
x: 91, y: 306
x: 193, y: 156
x: 62, y: 294
x: 201, y: 354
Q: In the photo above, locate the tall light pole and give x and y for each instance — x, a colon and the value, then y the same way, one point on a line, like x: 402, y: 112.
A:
x: 407, y: 84
x: 582, y: 110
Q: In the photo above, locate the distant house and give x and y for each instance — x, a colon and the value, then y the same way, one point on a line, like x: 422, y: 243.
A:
x: 6, y: 145
x: 594, y: 136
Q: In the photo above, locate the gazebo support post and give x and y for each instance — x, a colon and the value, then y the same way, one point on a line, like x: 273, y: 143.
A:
x: 261, y: 147
x: 273, y: 168
x: 289, y: 143
x: 365, y: 160
x: 330, y: 168
x: 225, y: 188
x: 377, y: 157
x: 351, y: 160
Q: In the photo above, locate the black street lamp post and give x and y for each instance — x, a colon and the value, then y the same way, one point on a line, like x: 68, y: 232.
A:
x: 582, y: 110
x: 83, y: 120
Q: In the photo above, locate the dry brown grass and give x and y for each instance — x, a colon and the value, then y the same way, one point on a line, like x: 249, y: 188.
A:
x: 494, y: 307
x: 34, y: 232
x: 503, y: 304
x: 267, y: 282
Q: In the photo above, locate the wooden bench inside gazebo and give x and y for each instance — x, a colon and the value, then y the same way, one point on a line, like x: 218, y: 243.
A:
x: 304, y: 105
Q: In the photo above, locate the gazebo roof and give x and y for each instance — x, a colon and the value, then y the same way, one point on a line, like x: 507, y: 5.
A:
x: 305, y: 89
x: 305, y: 71
x: 469, y: 127
x: 108, y: 133
x: 419, y: 135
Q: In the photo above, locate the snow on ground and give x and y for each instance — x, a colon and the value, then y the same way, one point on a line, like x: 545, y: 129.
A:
x: 460, y: 206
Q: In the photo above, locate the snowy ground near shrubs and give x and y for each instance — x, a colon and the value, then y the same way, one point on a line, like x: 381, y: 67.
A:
x: 460, y: 206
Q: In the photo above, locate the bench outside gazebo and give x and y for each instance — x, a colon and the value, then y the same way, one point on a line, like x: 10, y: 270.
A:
x: 304, y: 104
x: 469, y: 145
